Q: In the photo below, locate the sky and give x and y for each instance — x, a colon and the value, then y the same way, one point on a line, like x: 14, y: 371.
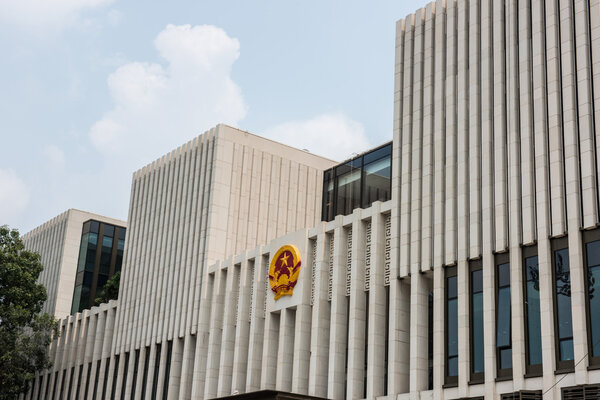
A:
x: 93, y: 90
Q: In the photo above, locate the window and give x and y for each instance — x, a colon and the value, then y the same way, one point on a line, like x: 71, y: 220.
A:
x: 126, y: 367
x: 113, y: 389
x: 168, y: 370
x: 145, y: 377
x: 563, y: 324
x: 592, y: 274
x: 135, y: 373
x: 581, y: 392
x: 476, y: 321
x: 503, y: 321
x: 533, y: 331
x: 451, y: 326
x: 357, y: 183
x: 156, y: 369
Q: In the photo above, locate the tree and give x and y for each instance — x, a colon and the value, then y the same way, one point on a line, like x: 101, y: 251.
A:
x: 25, y: 333
x: 110, y: 291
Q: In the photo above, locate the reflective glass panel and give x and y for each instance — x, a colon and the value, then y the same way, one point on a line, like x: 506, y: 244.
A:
x: 593, y: 274
x: 534, y: 332
x: 563, y: 303
x: 377, y: 185
x: 348, y: 192
x: 477, y: 320
x: 503, y: 328
x: 451, y: 326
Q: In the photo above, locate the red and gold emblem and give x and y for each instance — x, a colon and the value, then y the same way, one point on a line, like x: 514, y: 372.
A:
x: 284, y: 271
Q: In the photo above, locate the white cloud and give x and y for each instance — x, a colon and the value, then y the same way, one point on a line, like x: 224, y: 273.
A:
x: 332, y: 135
x: 158, y: 107
x: 14, y: 196
x: 55, y: 156
x: 42, y: 14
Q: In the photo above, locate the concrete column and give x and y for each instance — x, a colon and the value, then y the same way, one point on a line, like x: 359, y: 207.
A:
x: 339, y: 318
x: 419, y: 340
x: 189, y: 347
x: 358, y: 318
x: 151, y: 366
x: 214, y: 341
x: 301, y: 375
x: 229, y: 328
x: 175, y: 370
x: 285, y: 352
x: 319, y: 343
x: 257, y: 325
x: 270, y: 349
x: 202, y: 337
x: 399, y: 337
x: 242, y: 331
x: 377, y: 310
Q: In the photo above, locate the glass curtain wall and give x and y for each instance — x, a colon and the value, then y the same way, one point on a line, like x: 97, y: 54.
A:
x: 476, y: 321
x: 592, y: 262
x: 100, y: 256
x: 451, y: 327
x: 357, y: 183
x: 503, y: 317
x: 563, y: 321
x: 533, y: 331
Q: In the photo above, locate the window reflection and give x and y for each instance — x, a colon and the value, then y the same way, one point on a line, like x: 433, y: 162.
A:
x: 562, y: 279
x: 357, y: 183
x: 451, y: 326
x: 99, y: 241
x: 477, y: 345
x: 532, y: 311
x: 503, y: 320
x: 593, y: 295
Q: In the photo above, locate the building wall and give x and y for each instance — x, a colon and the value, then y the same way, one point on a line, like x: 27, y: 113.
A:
x: 495, y: 155
x: 222, y: 192
x: 58, y: 242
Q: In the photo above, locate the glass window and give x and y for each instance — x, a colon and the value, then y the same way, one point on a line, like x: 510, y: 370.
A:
x: 562, y: 303
x: 377, y: 182
x: 451, y: 326
x: 357, y: 183
x: 592, y: 260
x: 109, y: 230
x: 476, y: 321
x: 82, y: 252
x: 503, y: 321
x: 348, y: 189
x: 94, y: 226
x: 533, y: 329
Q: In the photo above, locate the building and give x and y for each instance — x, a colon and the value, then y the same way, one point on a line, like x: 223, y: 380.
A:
x: 477, y: 278
x: 64, y: 245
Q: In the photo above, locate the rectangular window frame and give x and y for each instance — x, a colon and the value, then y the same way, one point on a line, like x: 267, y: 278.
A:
x: 501, y: 373
x: 475, y: 377
x: 449, y: 272
x: 566, y: 366
x: 588, y: 237
x: 329, y: 210
x: 531, y: 370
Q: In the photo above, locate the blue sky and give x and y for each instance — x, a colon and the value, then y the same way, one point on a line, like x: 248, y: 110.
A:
x: 92, y: 90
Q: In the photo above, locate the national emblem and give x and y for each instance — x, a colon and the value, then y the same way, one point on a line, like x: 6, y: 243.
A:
x: 284, y: 271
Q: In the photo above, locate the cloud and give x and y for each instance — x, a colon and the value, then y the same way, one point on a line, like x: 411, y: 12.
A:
x: 333, y: 135
x: 14, y: 196
x: 55, y: 156
x: 42, y: 14
x: 159, y: 106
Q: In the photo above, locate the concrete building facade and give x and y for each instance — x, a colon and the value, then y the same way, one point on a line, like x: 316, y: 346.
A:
x: 478, y: 279
x: 58, y: 242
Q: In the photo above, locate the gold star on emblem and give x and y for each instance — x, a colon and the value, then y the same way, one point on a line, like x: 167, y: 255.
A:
x: 284, y: 258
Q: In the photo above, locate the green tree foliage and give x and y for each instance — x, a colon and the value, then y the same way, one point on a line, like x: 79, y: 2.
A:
x: 24, y: 333
x: 110, y: 291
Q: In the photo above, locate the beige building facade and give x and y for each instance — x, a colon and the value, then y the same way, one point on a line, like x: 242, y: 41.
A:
x: 477, y: 278
x: 58, y: 242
